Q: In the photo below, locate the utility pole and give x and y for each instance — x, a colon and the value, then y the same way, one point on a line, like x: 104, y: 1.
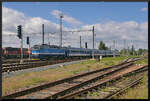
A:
x: 80, y: 41
x: 124, y: 44
x: 43, y: 32
x: 110, y: 47
x: 29, y: 51
x: 20, y: 36
x: 114, y: 47
x: 115, y: 44
x: 85, y: 44
x: 22, y: 50
x: 128, y: 51
x: 124, y: 47
x: 80, y: 36
x: 61, y: 16
x: 93, y: 41
x: 93, y: 37
x: 133, y: 46
x: 28, y: 43
x: 48, y: 39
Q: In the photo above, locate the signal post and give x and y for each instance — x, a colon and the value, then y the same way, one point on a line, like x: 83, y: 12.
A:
x: 28, y: 43
x: 21, y: 41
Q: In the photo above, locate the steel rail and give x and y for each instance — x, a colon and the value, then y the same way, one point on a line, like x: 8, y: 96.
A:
x: 44, y: 86
x: 18, y: 61
x: 69, y: 90
x: 15, y: 67
x: 73, y: 94
x: 35, y: 89
x: 123, y: 89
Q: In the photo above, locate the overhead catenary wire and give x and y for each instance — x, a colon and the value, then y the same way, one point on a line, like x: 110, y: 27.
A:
x: 53, y: 37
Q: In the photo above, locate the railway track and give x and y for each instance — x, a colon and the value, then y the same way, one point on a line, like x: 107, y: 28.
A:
x: 127, y: 86
x: 110, y: 89
x: 132, y: 59
x: 68, y: 85
x: 32, y: 64
x: 16, y: 66
x: 18, y: 61
x: 25, y: 60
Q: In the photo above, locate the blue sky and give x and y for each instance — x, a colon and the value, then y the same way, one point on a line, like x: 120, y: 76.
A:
x: 112, y: 20
x: 86, y: 12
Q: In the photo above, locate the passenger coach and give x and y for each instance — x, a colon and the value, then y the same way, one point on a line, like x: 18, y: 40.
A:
x: 49, y: 51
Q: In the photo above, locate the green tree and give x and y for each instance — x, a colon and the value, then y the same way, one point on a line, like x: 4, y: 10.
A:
x: 132, y: 52
x: 123, y: 51
x: 140, y: 51
x: 102, y: 46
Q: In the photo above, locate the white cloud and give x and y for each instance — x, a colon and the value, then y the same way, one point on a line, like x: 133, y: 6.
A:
x: 11, y: 18
x: 66, y: 18
x: 109, y: 31
x: 120, y: 31
x: 144, y: 9
x: 35, y: 25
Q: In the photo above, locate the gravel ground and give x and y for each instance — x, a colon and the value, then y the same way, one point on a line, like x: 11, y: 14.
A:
x: 42, y: 68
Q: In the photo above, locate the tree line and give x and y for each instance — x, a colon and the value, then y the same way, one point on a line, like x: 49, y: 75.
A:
x: 132, y: 51
x: 128, y: 51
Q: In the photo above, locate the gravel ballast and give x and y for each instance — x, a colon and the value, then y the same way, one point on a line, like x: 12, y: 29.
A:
x: 42, y: 68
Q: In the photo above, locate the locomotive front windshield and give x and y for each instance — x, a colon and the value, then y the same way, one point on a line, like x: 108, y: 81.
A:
x: 38, y: 47
x: 35, y: 47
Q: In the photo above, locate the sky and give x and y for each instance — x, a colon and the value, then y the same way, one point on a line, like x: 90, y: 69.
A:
x: 124, y: 22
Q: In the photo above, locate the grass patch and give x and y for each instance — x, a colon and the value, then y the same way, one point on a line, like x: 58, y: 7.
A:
x: 144, y: 61
x: 111, y: 63
x: 138, y: 92
x: 95, y: 94
x: 35, y: 78
x: 89, y: 62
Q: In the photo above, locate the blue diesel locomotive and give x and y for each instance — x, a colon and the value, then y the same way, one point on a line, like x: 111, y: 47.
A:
x: 48, y: 51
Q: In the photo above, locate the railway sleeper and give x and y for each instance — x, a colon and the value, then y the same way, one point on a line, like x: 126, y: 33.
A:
x: 81, y: 85
x: 104, y: 84
x: 48, y: 85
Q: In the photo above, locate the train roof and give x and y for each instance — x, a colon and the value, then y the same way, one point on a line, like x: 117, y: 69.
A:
x: 44, y: 46
x: 13, y: 48
x: 55, y: 46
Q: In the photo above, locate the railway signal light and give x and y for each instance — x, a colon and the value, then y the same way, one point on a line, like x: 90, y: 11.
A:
x: 19, y: 31
x: 85, y: 44
x: 19, y: 34
x: 27, y: 40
